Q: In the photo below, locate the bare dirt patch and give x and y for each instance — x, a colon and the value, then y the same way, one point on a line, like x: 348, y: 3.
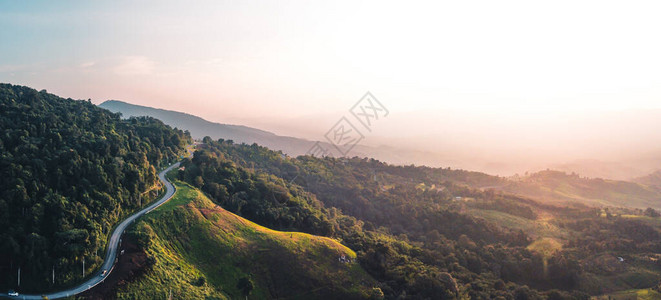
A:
x: 131, y: 265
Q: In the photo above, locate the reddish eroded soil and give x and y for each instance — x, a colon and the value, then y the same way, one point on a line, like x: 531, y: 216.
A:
x: 130, y: 265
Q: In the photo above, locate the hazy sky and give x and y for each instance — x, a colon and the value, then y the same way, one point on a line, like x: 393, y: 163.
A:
x: 295, y: 67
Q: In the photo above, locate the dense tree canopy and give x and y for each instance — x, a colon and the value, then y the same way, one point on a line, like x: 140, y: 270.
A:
x: 411, y: 238
x: 70, y: 171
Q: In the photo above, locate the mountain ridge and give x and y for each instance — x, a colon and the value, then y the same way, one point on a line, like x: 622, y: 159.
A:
x: 199, y: 128
x: 293, y: 146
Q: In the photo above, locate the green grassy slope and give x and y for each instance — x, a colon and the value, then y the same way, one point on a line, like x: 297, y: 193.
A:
x: 643, y: 294
x: 202, y: 251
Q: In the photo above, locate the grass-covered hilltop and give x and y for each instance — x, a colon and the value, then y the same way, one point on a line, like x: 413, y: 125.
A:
x: 199, y: 250
x: 70, y: 171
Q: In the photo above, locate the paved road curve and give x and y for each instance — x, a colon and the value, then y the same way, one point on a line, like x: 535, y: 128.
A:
x: 108, y: 264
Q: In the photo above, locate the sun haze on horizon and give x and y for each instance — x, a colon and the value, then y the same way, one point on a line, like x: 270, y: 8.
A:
x: 513, y: 76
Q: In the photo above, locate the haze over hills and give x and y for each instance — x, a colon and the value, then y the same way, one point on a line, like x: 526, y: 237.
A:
x: 592, y: 142
x: 653, y: 180
x: 558, y: 187
x: 464, y: 145
x: 199, y: 128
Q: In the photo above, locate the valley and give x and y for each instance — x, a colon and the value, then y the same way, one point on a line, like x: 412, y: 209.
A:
x: 247, y: 221
x: 304, y: 150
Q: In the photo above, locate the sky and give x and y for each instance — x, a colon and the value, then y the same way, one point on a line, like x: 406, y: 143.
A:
x: 459, y: 71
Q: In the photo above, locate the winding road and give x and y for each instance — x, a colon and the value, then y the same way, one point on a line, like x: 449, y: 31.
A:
x: 113, y: 246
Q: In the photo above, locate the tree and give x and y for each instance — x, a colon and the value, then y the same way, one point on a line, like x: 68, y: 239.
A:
x: 245, y: 285
x: 199, y: 182
x: 651, y: 212
x: 376, y: 294
x: 525, y: 293
x: 449, y: 283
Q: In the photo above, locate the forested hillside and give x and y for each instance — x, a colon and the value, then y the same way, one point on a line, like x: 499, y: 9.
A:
x: 70, y: 170
x: 435, y: 233
x: 409, y: 239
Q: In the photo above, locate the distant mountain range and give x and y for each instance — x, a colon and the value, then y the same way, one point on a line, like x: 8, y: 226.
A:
x: 199, y: 128
x: 450, y: 157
